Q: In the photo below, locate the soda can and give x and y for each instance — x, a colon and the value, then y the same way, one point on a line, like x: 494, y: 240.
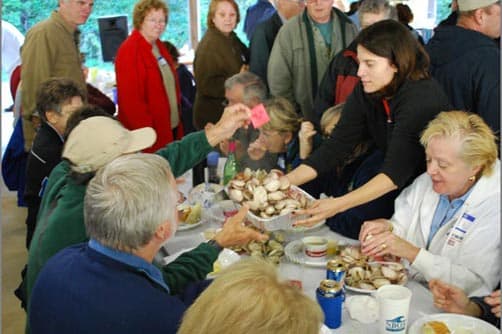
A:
x: 336, y: 271
x: 330, y: 296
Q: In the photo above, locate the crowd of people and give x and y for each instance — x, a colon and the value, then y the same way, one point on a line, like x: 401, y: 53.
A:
x: 401, y: 137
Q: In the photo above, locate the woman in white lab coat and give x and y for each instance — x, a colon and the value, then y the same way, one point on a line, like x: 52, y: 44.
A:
x: 447, y: 223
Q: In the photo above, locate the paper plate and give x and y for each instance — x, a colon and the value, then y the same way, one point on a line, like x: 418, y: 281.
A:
x: 456, y: 323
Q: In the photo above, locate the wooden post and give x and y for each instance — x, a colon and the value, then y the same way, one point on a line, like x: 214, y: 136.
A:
x: 193, y: 7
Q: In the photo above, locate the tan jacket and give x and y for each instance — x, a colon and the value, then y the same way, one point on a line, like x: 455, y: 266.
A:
x: 50, y: 50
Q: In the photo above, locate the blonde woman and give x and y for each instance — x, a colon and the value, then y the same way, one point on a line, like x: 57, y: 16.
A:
x: 249, y: 297
x: 447, y: 223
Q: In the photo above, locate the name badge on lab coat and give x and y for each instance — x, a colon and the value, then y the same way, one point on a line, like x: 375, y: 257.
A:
x: 461, y: 227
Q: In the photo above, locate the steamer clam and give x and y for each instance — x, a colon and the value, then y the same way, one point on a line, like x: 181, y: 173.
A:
x: 366, y: 274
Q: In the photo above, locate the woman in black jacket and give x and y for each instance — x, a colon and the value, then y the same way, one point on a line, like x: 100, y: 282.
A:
x: 391, y: 105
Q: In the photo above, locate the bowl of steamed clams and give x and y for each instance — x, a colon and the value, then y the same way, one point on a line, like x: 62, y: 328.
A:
x: 365, y: 274
x: 270, y: 197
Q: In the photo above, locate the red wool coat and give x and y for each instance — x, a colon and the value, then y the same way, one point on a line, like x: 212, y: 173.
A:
x: 142, y: 97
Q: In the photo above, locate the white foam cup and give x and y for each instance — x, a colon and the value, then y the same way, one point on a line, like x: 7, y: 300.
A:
x: 394, y: 304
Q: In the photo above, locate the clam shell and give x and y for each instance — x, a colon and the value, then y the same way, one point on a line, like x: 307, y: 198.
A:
x: 271, y: 184
x: 276, y: 196
x: 235, y: 195
x: 378, y: 282
x: 389, y: 273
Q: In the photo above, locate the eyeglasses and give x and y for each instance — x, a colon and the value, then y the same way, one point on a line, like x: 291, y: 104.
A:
x: 298, y: 2
x: 269, y: 133
x: 314, y: 1
x: 154, y: 21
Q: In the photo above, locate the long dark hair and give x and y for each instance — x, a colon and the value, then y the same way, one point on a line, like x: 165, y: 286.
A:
x: 392, y: 40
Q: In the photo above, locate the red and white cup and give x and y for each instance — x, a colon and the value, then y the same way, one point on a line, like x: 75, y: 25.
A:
x: 315, y: 247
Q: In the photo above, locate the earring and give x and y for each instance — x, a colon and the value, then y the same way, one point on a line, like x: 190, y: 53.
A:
x: 472, y: 178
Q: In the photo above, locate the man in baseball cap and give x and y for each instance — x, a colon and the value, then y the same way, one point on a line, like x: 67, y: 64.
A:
x: 466, y: 61
x: 93, y: 143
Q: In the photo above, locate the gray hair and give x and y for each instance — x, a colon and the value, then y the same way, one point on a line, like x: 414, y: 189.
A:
x: 254, y: 87
x: 377, y: 7
x: 129, y: 199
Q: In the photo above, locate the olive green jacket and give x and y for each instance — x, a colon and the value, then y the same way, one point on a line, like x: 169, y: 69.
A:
x: 60, y: 220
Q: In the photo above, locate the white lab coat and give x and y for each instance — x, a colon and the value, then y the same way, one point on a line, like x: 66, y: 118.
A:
x: 470, y: 256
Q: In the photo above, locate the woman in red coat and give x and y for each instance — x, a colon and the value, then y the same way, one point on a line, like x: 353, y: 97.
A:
x: 147, y: 83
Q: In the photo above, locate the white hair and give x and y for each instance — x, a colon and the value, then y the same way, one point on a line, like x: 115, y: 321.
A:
x: 377, y: 7
x: 129, y: 199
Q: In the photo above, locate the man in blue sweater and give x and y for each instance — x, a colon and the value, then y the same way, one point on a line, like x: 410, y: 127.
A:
x: 109, y: 284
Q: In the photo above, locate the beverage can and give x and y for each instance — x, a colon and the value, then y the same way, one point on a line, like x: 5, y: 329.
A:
x: 330, y: 288
x: 330, y: 296
x: 335, y: 270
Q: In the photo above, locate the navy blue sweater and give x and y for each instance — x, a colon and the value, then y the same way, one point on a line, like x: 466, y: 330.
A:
x: 467, y: 64
x: 81, y: 290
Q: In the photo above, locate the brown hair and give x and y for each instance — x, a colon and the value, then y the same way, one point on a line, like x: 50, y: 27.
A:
x: 54, y: 92
x: 404, y: 13
x: 392, y: 40
x: 171, y: 48
x: 212, y: 11
x: 143, y: 7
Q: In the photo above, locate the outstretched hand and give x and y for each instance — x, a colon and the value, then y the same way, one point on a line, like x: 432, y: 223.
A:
x: 306, y: 139
x: 234, y: 233
x: 493, y: 299
x: 233, y: 118
x: 448, y: 297
x: 320, y: 209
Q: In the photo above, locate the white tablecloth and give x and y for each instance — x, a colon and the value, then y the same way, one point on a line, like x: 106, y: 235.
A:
x: 421, y: 301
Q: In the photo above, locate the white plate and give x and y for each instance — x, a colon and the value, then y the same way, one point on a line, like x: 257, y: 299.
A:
x: 455, y: 322
x: 183, y: 227
x: 294, y: 252
x: 348, y: 287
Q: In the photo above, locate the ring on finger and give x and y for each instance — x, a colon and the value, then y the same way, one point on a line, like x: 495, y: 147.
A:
x: 383, y: 246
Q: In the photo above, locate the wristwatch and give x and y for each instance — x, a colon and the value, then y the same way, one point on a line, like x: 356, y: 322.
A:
x: 215, y: 244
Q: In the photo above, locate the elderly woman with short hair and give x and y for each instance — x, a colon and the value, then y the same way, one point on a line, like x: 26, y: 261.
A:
x: 147, y: 83
x: 447, y: 223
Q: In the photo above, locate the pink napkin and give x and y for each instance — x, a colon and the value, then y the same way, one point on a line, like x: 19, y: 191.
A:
x: 259, y: 116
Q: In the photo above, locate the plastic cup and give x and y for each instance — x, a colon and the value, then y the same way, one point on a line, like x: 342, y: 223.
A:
x: 292, y: 273
x: 315, y: 247
x: 394, y: 304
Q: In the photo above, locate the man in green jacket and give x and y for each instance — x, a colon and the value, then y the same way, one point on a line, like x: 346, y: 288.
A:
x: 130, y: 212
x: 302, y: 51
x: 91, y: 145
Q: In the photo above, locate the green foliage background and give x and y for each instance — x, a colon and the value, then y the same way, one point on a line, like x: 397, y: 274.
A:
x: 25, y: 13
